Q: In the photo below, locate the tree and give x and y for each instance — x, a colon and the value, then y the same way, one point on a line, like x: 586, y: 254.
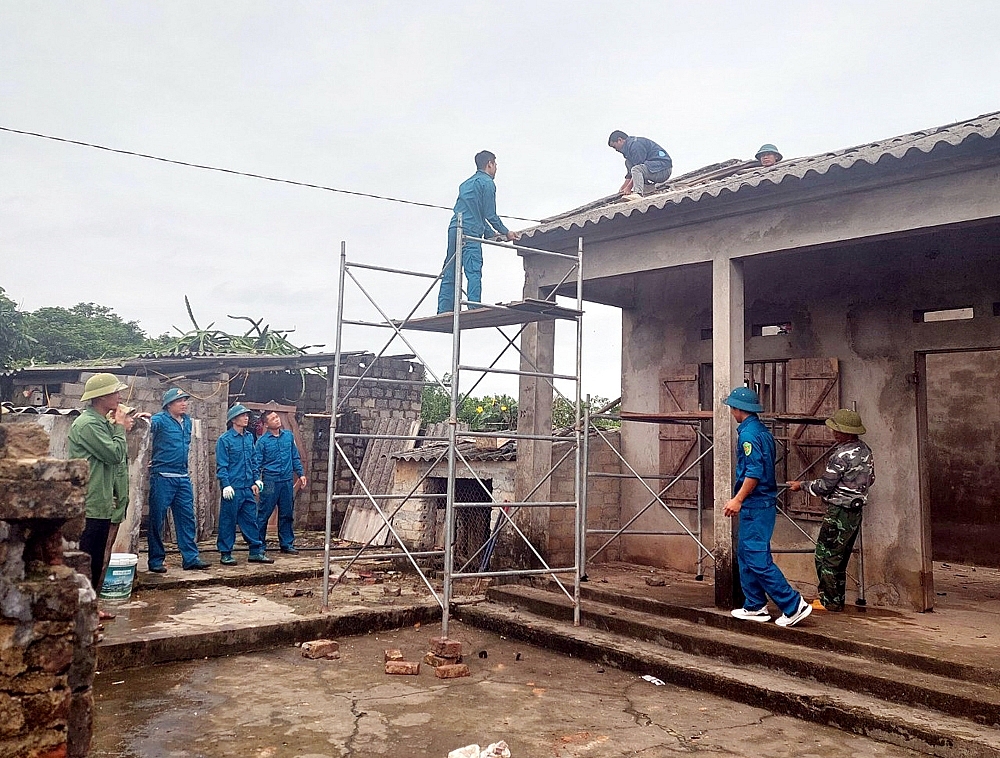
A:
x: 13, y: 341
x: 86, y: 331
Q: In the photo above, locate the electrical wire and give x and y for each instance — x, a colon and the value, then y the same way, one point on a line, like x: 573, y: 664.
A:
x: 235, y: 172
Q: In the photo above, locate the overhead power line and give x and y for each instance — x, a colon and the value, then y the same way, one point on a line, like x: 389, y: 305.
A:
x: 234, y: 172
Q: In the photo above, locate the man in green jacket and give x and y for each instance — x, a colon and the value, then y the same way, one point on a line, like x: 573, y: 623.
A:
x: 98, y: 437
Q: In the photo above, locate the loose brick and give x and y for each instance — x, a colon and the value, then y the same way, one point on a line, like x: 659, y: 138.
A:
x: 321, y: 649
x: 452, y: 671
x: 436, y: 660
x: 402, y: 668
x: 393, y: 655
x: 445, y: 647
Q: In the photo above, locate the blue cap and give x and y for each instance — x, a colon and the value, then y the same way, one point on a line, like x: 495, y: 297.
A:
x: 174, y: 393
x: 237, y: 410
x: 745, y: 399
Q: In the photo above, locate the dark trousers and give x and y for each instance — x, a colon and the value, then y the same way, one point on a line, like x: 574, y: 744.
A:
x: 833, y: 553
x: 94, y: 541
x: 280, y: 495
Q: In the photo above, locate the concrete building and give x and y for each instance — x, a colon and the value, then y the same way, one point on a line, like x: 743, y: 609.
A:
x: 866, y: 276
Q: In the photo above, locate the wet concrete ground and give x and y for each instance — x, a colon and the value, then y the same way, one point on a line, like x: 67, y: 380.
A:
x: 280, y: 705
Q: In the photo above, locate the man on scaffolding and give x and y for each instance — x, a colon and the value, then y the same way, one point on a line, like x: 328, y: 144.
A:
x: 477, y: 204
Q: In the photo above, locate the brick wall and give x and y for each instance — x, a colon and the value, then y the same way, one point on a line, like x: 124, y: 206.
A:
x: 603, y: 502
x: 362, y: 406
x: 48, y: 611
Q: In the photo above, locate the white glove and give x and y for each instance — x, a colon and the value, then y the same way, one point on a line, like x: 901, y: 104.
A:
x: 228, y: 493
x: 260, y: 486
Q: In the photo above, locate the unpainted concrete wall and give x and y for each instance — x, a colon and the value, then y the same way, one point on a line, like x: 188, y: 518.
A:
x: 854, y: 303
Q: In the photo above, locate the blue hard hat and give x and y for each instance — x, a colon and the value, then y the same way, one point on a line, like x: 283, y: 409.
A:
x: 745, y: 399
x: 174, y: 393
x: 237, y: 410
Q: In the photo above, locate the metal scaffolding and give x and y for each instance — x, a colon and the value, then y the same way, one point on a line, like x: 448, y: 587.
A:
x: 696, y: 420
x: 476, y: 561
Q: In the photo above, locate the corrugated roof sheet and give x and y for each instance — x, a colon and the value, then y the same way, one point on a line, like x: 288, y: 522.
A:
x: 31, y: 410
x: 733, y: 176
x: 430, y: 452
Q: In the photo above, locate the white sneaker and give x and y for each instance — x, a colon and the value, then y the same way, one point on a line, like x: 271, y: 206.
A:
x: 747, y: 615
x: 804, y: 610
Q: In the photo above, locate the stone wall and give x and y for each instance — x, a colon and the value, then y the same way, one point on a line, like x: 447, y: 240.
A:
x: 48, y: 611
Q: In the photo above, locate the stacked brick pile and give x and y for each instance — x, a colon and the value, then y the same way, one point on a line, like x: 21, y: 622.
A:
x: 445, y: 656
x: 48, y: 612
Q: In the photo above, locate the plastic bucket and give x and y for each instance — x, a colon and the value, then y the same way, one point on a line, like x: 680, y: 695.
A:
x: 119, y: 576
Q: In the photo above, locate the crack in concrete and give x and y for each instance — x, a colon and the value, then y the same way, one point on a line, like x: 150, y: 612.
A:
x: 349, y: 742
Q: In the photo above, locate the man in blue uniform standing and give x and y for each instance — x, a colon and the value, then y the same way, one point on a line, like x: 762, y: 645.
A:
x: 477, y: 203
x: 755, y: 502
x: 234, y: 461
x: 277, y: 461
x: 169, y: 483
x: 645, y: 163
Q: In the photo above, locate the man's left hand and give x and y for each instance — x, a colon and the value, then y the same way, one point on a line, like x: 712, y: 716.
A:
x: 513, y: 236
x: 794, y: 486
x: 303, y: 482
x: 732, y: 508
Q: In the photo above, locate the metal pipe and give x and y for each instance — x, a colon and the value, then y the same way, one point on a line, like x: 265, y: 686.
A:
x: 582, y: 532
x: 370, y: 267
x: 577, y: 423
x: 456, y: 346
x: 415, y: 496
x: 334, y: 390
x: 639, y: 533
x: 700, y: 566
x: 610, y: 475
x: 388, y: 556
x: 520, y: 248
x: 519, y: 372
x: 527, y: 504
x: 516, y: 572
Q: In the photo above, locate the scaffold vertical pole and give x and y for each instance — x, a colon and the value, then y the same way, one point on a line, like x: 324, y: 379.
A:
x: 331, y: 450
x: 577, y: 429
x: 456, y: 346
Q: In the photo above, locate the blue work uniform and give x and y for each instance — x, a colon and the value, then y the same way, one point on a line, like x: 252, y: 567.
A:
x: 276, y: 459
x: 234, y: 461
x: 170, y: 488
x: 759, y: 575
x: 643, y: 151
x: 477, y: 202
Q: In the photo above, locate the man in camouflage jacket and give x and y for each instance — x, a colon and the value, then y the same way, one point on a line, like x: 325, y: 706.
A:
x: 850, y: 473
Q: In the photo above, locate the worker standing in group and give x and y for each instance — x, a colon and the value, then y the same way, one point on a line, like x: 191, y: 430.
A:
x: 755, y: 502
x: 234, y: 465
x: 98, y: 437
x: 645, y: 163
x: 169, y: 483
x: 477, y: 204
x: 850, y: 473
x: 277, y: 466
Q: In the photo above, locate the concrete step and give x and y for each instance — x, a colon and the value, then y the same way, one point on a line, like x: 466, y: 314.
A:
x: 897, y: 654
x: 886, y: 681
x: 929, y: 732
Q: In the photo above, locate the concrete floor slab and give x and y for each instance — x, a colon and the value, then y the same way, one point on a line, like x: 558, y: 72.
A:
x: 278, y: 704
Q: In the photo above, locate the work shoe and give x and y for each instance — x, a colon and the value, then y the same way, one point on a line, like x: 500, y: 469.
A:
x: 259, y: 558
x: 158, y: 569
x: 198, y: 565
x: 227, y: 559
x: 747, y: 615
x: 632, y: 196
x: 289, y: 551
x: 804, y: 610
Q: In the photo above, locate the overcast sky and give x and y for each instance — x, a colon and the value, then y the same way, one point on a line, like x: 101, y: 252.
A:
x: 395, y: 98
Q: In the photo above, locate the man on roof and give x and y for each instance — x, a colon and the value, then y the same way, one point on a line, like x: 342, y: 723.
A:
x: 477, y: 204
x: 646, y: 163
x: 768, y: 155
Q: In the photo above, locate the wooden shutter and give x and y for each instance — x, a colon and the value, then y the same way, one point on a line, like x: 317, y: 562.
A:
x: 813, y: 389
x: 678, y: 443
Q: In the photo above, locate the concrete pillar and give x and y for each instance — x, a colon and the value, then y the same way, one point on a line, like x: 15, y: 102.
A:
x: 534, y: 457
x: 727, y: 372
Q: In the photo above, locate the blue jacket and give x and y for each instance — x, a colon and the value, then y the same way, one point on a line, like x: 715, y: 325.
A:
x: 276, y: 457
x: 477, y: 202
x: 171, y: 442
x: 755, y: 459
x: 234, y: 457
x: 641, y: 150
